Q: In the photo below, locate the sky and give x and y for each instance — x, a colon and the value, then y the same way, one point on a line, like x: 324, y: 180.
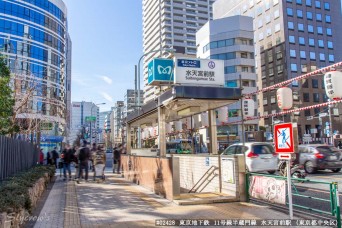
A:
x: 107, y: 42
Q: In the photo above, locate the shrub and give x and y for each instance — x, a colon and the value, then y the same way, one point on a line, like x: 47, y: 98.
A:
x: 14, y: 191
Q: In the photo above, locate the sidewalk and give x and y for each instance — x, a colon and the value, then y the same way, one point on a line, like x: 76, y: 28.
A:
x: 117, y: 203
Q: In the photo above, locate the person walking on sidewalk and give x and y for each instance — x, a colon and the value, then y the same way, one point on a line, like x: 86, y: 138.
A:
x: 55, y: 156
x: 99, y: 158
x: 67, y: 158
x: 41, y: 157
x: 117, y: 159
x: 83, y: 161
x: 92, y: 152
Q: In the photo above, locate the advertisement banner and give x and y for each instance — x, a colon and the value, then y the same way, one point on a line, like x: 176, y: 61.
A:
x: 267, y: 188
x: 192, y: 71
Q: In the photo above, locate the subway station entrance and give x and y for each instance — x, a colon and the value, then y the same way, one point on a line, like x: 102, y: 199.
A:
x: 184, y: 178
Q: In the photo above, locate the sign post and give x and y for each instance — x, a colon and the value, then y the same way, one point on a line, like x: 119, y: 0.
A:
x: 285, y: 146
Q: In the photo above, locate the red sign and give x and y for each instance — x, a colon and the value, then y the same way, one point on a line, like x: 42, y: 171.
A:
x: 283, y: 138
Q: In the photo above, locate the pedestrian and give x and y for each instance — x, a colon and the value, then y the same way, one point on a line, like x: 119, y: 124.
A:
x: 66, y: 158
x: 339, y: 145
x: 49, y: 158
x: 41, y: 157
x: 83, y: 161
x: 75, y: 152
x: 99, y: 158
x: 55, y: 156
x: 117, y: 159
x: 92, y: 152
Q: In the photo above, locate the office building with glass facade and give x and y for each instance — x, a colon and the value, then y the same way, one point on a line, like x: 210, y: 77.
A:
x: 36, y: 45
x: 231, y: 39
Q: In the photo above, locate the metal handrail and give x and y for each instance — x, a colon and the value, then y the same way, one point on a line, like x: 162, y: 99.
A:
x: 206, y: 173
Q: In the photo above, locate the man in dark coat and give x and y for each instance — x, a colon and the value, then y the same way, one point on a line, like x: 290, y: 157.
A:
x: 117, y: 158
x: 83, y: 160
x: 67, y: 157
x: 55, y: 156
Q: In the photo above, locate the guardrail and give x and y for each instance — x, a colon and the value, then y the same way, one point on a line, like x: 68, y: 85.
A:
x: 16, y: 156
x: 333, y: 191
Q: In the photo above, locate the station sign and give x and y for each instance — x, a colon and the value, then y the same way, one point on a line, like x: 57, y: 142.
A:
x: 160, y: 71
x: 193, y: 71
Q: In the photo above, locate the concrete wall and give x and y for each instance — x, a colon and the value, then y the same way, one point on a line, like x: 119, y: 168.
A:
x: 150, y: 172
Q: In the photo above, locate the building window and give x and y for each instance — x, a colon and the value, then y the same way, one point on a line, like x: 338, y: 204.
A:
x: 229, y: 69
x: 314, y: 83
x: 329, y: 32
x: 308, y: 2
x: 289, y: 11
x: 325, y: 97
x: 231, y: 84
x: 321, y: 43
x: 290, y: 25
x: 315, y: 97
x: 318, y: 4
x: 299, y: 2
x: 244, y: 69
x: 309, y: 15
x: 299, y: 13
x: 302, y: 55
x: 327, y: 19
x: 317, y: 110
x: 311, y: 42
x: 301, y: 41
x: 276, y: 14
x: 330, y: 45
x: 331, y: 58
x: 277, y: 27
x: 312, y: 56
x: 326, y: 6
x: 319, y: 17
x: 307, y: 113
x: 293, y: 67
x: 301, y: 27
x: 310, y: 29
x: 306, y: 97
x: 322, y: 57
x: 292, y: 40
x: 293, y: 53
x: 320, y: 30
x: 221, y: 43
x: 304, y: 68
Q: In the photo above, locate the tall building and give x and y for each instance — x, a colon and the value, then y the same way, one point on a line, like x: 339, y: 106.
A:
x: 85, y: 118
x: 231, y: 39
x: 292, y: 37
x: 130, y: 101
x: 118, y: 128
x: 171, y: 24
x: 34, y: 41
x: 102, y: 125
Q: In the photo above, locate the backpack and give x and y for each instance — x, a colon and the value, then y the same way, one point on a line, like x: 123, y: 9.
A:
x: 84, y: 154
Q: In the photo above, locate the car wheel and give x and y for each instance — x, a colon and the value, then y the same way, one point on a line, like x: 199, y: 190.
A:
x: 271, y: 172
x: 309, y: 167
x: 336, y: 170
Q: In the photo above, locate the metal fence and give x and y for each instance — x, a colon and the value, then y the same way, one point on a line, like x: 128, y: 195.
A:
x: 16, y: 156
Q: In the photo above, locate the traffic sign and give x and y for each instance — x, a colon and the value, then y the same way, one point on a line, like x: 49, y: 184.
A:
x: 324, y: 114
x: 283, y: 138
x: 284, y: 156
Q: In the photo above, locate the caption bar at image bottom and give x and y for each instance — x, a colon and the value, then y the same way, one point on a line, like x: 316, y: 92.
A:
x: 245, y: 222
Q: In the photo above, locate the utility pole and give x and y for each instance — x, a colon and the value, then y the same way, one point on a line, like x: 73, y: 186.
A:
x: 242, y: 115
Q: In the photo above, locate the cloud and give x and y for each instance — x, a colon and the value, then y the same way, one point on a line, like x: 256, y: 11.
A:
x: 106, y: 79
x: 107, y: 96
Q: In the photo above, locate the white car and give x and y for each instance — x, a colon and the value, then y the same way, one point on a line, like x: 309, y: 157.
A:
x: 260, y: 156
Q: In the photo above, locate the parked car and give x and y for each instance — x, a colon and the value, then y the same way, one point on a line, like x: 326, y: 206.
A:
x: 319, y: 157
x: 260, y: 156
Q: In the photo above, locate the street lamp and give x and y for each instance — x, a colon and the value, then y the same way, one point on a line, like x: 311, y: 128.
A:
x: 91, y: 113
x: 139, y: 102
